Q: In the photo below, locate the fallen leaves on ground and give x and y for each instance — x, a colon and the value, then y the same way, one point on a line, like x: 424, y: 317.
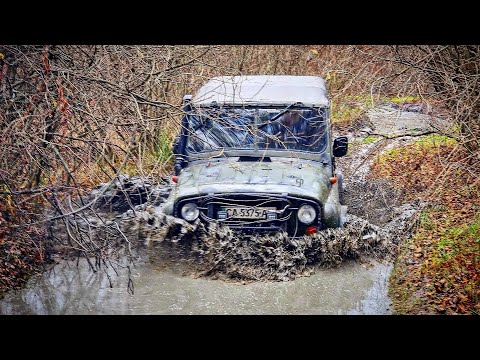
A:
x: 437, y: 270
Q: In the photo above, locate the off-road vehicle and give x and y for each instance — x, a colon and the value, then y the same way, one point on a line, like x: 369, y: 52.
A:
x: 255, y: 153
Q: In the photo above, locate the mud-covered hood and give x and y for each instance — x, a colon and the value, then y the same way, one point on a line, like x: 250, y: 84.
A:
x: 280, y: 176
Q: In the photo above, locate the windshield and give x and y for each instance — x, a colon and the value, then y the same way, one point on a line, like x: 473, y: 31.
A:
x: 300, y: 129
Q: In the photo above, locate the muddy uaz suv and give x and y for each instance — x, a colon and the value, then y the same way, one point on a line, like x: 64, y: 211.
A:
x: 255, y: 153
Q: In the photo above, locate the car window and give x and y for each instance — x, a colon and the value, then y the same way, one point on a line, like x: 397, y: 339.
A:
x: 257, y: 128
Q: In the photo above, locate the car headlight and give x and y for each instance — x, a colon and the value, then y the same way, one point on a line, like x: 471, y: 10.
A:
x: 190, y: 211
x: 306, y: 214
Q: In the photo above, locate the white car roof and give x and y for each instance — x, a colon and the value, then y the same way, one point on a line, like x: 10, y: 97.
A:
x: 262, y: 90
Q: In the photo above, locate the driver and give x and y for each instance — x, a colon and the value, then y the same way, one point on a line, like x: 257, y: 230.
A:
x: 284, y: 131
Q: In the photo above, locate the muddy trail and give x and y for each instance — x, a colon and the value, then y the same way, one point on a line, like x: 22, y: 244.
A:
x: 146, y: 251
x: 217, y: 252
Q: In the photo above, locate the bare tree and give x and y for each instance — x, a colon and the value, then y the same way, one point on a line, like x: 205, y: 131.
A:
x: 75, y: 116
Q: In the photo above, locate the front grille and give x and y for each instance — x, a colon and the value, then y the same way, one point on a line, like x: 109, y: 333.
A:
x: 212, y: 209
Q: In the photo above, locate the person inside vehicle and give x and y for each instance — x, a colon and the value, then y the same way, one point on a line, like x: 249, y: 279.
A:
x: 284, y: 132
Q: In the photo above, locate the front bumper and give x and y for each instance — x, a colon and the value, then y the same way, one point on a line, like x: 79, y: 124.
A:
x: 286, y: 208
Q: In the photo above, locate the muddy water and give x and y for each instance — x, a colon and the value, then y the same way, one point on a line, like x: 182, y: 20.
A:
x: 352, y: 288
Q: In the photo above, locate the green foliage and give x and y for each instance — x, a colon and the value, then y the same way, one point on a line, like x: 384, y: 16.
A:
x: 445, y: 248
x: 425, y: 221
x: 453, y: 240
x: 425, y: 143
x: 365, y: 100
x: 401, y: 99
x: 344, y: 112
x: 392, y: 154
x: 162, y: 147
x: 369, y: 139
x: 436, y: 140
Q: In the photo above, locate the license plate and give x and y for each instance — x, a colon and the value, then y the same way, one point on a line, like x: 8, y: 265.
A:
x: 240, y: 212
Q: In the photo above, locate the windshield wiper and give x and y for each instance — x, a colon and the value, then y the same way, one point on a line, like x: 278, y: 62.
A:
x: 281, y: 113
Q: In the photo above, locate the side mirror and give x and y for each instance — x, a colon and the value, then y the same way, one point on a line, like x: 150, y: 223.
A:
x: 340, y: 146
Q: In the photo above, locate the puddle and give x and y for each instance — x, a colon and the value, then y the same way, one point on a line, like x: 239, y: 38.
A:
x: 350, y: 289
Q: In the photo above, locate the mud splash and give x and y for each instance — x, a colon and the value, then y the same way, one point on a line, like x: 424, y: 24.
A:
x: 218, y: 252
